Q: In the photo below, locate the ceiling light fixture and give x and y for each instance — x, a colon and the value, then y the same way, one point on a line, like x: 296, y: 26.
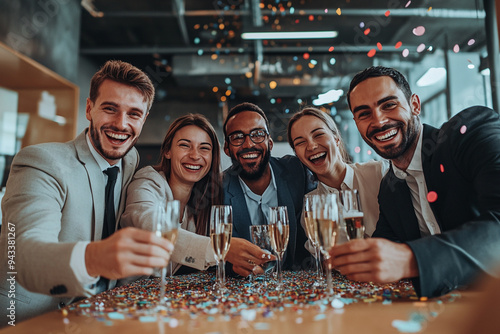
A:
x: 432, y: 76
x: 289, y: 35
x: 328, y: 97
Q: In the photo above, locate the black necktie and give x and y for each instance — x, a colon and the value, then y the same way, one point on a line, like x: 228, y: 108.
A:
x: 108, y: 226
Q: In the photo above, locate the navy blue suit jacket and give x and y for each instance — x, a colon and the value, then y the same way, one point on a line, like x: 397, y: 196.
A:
x: 464, y: 171
x: 292, y: 182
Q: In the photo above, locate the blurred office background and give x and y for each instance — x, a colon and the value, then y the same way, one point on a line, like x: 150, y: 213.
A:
x: 207, y: 56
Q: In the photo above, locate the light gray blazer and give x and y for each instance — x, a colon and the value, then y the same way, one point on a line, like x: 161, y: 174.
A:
x: 55, y: 198
x: 147, y: 189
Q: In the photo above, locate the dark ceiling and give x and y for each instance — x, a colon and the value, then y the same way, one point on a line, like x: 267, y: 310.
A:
x: 189, y: 47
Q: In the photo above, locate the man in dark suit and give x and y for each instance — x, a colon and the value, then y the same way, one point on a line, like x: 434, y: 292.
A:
x: 257, y: 181
x: 440, y: 200
x: 57, y: 241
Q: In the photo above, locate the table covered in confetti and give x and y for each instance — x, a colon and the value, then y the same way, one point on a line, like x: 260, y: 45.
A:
x: 249, y: 308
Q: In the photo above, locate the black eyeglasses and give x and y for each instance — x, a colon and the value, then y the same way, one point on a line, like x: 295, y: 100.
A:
x: 238, y: 138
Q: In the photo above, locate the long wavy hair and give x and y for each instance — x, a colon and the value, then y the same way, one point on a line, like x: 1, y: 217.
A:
x: 207, y: 191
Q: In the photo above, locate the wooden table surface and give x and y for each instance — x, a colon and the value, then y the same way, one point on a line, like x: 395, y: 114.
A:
x: 368, y: 308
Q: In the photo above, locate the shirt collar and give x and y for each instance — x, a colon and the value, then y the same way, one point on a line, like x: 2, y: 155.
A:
x: 348, y: 178
x: 103, y: 164
x: 248, y: 192
x: 416, y: 161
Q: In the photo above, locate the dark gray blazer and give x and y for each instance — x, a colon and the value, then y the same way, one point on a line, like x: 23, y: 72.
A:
x: 464, y: 170
x: 292, y: 181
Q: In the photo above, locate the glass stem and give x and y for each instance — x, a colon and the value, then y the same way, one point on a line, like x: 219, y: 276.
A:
x: 163, y: 283
x: 319, y: 275
x: 279, y: 272
x: 329, y: 284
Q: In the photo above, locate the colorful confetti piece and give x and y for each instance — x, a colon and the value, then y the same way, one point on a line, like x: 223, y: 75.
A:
x: 421, y: 48
x: 432, y: 196
x: 441, y: 168
x: 456, y: 48
x: 419, y: 31
x: 371, y: 53
x: 471, y: 41
x: 379, y: 46
x: 387, y: 13
x: 405, y: 53
x: 367, y: 31
x: 408, y: 4
x: 463, y: 129
x: 398, y: 45
x: 338, y: 11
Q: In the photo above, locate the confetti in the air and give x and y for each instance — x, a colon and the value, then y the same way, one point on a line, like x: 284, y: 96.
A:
x: 379, y: 46
x: 311, y: 17
x: 430, y: 8
x: 471, y: 41
x: 387, y: 13
x: 432, y: 196
x: 463, y: 129
x: 357, y: 149
x: 407, y: 4
x: 398, y: 45
x: 441, y: 168
x: 339, y: 12
x: 369, y: 152
x: 419, y: 31
x: 361, y: 24
x: 367, y: 31
x: 405, y: 53
x: 421, y: 48
x: 326, y: 10
x: 371, y: 53
x: 456, y: 48
x: 331, y: 48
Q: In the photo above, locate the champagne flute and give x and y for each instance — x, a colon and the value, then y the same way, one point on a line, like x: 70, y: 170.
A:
x: 221, y: 229
x: 353, y: 215
x: 326, y: 217
x: 312, y: 234
x: 260, y: 237
x: 279, y: 234
x: 166, y: 224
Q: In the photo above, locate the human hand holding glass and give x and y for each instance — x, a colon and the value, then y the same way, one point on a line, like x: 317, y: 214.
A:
x: 326, y: 218
x: 166, y: 225
x: 279, y: 234
x: 353, y: 214
x: 221, y: 229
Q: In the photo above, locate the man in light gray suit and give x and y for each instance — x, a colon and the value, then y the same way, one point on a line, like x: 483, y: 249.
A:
x: 53, y: 245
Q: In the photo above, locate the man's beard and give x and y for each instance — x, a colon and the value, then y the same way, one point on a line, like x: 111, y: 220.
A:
x: 394, y: 152
x: 111, y: 155
x: 254, y: 174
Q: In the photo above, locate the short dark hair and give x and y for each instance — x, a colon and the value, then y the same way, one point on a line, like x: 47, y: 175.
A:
x: 245, y: 106
x: 380, y: 71
x: 126, y: 74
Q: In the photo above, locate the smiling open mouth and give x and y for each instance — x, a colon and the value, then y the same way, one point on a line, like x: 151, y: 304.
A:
x: 116, y: 137
x: 317, y: 158
x: 388, y: 136
x: 249, y: 155
x: 192, y: 167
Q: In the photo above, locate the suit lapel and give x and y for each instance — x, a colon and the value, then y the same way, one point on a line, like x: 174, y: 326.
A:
x: 431, y: 173
x: 95, y: 178
x: 241, y: 217
x: 129, y: 164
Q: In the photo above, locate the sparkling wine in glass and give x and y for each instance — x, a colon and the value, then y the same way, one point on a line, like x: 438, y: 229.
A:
x: 259, y: 234
x: 221, y: 229
x: 326, y: 217
x: 353, y: 214
x: 166, y: 225
x: 279, y: 234
x: 312, y: 234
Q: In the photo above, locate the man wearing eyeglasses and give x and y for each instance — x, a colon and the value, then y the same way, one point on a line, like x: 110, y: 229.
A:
x: 256, y: 181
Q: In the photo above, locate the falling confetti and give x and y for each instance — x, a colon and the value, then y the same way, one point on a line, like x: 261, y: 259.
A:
x: 371, y: 53
x: 357, y: 149
x: 367, y: 31
x: 306, y: 56
x: 463, y: 129
x: 398, y: 45
x: 441, y: 168
x: 407, y: 4
x: 379, y: 46
x: 430, y: 8
x: 369, y: 152
x: 339, y: 12
x: 387, y: 13
x: 361, y: 24
x: 471, y: 41
x: 311, y: 17
x: 456, y: 48
x: 326, y: 10
x: 421, y: 48
x: 331, y: 48
x: 419, y: 31
x: 432, y: 196
x: 405, y: 53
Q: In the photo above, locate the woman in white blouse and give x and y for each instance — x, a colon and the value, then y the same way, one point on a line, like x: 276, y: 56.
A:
x: 189, y: 171
x: 316, y: 141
